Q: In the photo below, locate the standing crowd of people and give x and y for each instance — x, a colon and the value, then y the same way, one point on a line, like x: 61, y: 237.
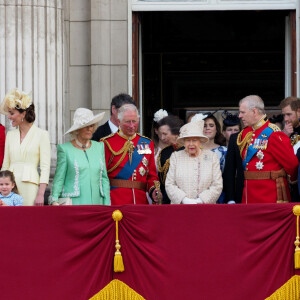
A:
x: 247, y: 160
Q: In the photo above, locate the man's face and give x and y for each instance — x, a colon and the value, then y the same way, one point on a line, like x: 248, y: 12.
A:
x: 290, y: 116
x: 248, y: 117
x: 130, y: 123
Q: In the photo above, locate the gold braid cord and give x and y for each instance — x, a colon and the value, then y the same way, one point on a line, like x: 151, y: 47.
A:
x: 245, y: 142
x: 164, y: 170
x: 126, y: 147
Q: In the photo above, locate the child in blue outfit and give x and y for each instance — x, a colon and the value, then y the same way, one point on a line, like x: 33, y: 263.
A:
x: 8, y: 190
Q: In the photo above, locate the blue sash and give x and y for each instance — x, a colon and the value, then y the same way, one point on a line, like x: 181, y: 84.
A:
x: 265, y: 134
x: 127, y: 171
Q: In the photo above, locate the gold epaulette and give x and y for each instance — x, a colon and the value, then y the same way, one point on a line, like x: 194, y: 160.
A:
x: 242, y: 144
x: 274, y: 127
x: 144, y: 137
x: 106, y: 137
x: 295, y: 138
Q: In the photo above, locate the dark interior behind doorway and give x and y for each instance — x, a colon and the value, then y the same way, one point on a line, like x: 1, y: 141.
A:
x: 211, y: 59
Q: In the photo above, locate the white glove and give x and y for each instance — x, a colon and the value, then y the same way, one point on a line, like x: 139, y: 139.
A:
x: 188, y: 201
x: 199, y: 201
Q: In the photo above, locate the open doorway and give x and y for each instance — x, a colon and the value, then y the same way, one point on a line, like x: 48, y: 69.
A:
x: 196, y: 60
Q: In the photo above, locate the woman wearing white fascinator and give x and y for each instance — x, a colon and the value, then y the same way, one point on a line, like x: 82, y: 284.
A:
x: 26, y: 148
x: 81, y: 176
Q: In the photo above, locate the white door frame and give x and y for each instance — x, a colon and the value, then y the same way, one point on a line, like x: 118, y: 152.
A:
x: 216, y: 5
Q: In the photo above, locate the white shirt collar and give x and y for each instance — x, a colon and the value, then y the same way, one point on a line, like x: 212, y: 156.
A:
x: 112, y: 126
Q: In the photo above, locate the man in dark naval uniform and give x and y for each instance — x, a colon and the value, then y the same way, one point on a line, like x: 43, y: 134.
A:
x: 111, y: 126
x: 290, y: 108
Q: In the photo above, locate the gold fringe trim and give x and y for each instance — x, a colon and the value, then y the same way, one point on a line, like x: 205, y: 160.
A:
x: 289, y: 291
x: 296, y: 211
x: 118, y: 260
x: 245, y: 142
x: 117, y: 290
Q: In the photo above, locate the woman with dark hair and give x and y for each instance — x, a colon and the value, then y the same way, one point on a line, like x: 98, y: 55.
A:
x: 231, y: 125
x: 156, y: 134
x: 216, y: 140
x: 170, y: 127
x: 216, y: 143
x: 26, y: 148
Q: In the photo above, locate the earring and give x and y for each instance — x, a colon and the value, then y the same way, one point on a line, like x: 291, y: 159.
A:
x: 22, y: 120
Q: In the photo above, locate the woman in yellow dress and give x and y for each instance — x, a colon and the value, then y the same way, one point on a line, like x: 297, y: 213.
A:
x: 26, y: 148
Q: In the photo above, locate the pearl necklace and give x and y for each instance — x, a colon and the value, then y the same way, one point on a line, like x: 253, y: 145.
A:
x: 82, y: 145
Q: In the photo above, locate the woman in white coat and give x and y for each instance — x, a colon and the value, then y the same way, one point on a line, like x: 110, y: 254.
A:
x: 194, y: 175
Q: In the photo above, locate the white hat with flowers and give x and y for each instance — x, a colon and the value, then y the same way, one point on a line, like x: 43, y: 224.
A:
x: 15, y: 99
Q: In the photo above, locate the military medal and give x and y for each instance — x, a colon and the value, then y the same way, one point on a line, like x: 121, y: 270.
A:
x: 145, y: 161
x: 260, y: 144
x: 147, y: 149
x: 142, y: 171
x: 140, y: 149
x: 259, y: 165
x: 260, y: 155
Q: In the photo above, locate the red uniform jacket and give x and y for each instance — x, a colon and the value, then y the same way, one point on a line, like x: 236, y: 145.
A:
x: 278, y: 154
x: 141, y: 169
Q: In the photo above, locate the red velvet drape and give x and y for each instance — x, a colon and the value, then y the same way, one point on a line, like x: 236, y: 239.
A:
x: 169, y: 252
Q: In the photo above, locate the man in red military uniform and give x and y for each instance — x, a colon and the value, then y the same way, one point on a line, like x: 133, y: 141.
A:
x: 130, y: 162
x: 267, y: 154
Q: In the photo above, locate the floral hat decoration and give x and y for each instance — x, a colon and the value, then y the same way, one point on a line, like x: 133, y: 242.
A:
x: 160, y: 114
x: 198, y: 117
x: 15, y: 99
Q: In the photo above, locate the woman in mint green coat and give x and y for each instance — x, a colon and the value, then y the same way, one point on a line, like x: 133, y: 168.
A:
x: 81, y: 175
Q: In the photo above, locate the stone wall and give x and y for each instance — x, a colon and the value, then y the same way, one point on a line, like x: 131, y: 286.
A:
x: 96, y: 45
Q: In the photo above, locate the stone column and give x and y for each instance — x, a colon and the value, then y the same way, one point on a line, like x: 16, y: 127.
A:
x: 31, y: 58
